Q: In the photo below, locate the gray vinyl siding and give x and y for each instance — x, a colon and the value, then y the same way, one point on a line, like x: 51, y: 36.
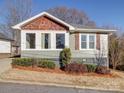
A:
x: 77, y: 55
x: 72, y: 41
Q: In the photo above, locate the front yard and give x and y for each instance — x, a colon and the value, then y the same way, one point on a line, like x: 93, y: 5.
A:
x: 114, y: 81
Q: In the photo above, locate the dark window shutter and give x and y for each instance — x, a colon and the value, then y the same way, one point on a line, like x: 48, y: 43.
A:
x: 76, y: 41
x: 98, y: 41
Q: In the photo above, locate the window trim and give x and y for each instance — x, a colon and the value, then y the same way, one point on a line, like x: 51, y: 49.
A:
x: 26, y: 41
x: 41, y: 43
x: 38, y: 42
x: 87, y: 41
x: 64, y: 41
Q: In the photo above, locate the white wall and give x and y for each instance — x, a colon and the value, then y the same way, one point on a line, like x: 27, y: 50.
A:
x: 5, y: 46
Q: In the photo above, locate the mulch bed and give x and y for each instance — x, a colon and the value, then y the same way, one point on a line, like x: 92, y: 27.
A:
x: 59, y: 71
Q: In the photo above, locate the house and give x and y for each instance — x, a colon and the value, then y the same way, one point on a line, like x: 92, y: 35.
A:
x: 5, y: 46
x: 44, y: 36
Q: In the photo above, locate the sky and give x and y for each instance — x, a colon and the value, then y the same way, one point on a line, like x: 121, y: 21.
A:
x: 103, y: 12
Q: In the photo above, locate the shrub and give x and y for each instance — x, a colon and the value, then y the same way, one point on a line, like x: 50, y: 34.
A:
x: 46, y: 64
x: 65, y: 57
x: 91, y: 67
x: 22, y: 62
x: 76, y: 68
x: 120, y: 67
x: 102, y: 70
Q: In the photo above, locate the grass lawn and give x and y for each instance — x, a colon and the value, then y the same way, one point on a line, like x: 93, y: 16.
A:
x: 113, y: 81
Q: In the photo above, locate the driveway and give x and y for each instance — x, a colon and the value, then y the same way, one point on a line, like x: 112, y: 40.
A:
x: 24, y: 88
x: 5, y: 64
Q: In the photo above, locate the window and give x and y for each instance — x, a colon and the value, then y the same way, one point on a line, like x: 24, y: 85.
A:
x: 87, y: 41
x: 30, y: 40
x: 60, y: 41
x: 45, y: 41
x: 91, y: 41
x: 83, y: 41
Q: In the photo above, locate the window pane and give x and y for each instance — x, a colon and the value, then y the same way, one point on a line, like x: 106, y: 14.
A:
x: 60, y: 41
x: 83, y: 41
x: 30, y: 40
x: 91, y: 45
x: 83, y: 45
x: 91, y: 38
x: 83, y: 37
x: 91, y: 41
x: 45, y: 41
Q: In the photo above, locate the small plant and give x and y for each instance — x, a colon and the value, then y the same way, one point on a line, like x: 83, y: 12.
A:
x: 91, y: 67
x: 65, y: 57
x: 46, y: 64
x: 102, y: 70
x: 22, y: 62
x: 76, y: 68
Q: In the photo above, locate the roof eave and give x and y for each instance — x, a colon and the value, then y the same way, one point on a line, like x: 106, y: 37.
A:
x: 93, y: 30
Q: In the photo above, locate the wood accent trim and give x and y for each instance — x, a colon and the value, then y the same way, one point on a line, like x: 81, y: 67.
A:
x: 98, y: 41
x: 76, y: 41
x: 44, y: 23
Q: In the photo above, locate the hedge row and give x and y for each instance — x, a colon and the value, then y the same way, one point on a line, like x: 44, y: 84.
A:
x: 44, y: 63
x: 82, y: 68
x: 70, y: 68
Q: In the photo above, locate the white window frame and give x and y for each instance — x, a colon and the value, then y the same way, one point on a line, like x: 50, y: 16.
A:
x: 87, y: 41
x: 26, y: 41
x: 64, y: 41
x: 50, y: 41
x: 38, y: 39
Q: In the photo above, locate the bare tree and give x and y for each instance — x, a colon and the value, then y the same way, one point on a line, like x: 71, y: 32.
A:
x: 15, y: 12
x: 115, y: 50
x: 72, y: 16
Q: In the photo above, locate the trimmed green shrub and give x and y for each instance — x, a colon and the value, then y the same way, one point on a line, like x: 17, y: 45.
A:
x: 75, y: 68
x: 102, y: 70
x: 22, y: 62
x: 46, y: 64
x: 65, y: 57
x: 91, y: 67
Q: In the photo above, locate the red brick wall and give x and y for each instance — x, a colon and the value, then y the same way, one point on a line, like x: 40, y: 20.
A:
x: 44, y: 23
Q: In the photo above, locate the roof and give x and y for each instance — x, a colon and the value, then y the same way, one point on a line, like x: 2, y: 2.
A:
x: 18, y: 26
x: 73, y: 28
x: 3, y: 37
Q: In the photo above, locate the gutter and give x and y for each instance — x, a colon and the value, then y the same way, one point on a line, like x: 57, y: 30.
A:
x: 85, y: 30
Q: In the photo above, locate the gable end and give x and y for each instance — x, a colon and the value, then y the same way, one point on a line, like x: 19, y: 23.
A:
x: 44, y: 23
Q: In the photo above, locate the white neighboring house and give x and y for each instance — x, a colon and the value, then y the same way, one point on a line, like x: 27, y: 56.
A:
x: 5, y: 46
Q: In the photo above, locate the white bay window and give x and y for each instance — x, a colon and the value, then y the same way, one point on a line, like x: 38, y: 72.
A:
x: 42, y: 40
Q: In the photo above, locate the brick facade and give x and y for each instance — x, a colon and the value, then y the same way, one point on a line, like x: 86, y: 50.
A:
x: 44, y: 23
